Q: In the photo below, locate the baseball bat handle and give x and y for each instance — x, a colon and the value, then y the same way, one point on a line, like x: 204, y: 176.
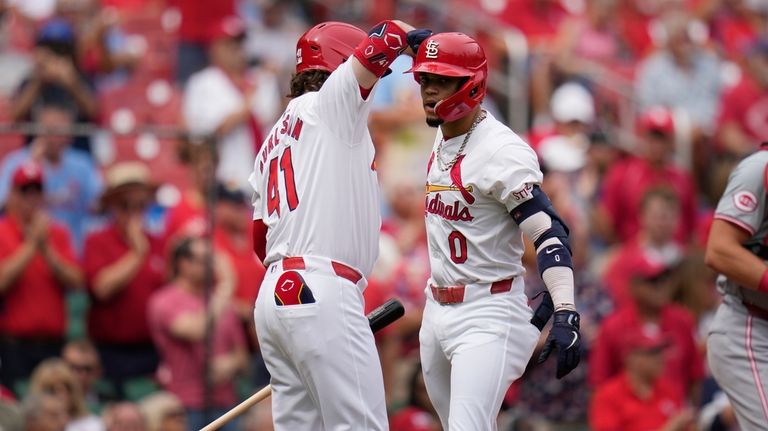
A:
x: 382, y: 316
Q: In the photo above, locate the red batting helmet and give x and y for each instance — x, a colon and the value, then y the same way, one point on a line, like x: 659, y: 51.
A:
x: 327, y: 45
x: 458, y: 55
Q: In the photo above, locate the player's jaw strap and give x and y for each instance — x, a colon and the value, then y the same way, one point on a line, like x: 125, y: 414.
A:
x: 385, y: 42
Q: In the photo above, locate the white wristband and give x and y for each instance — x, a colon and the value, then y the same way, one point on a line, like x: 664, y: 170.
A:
x: 559, y: 282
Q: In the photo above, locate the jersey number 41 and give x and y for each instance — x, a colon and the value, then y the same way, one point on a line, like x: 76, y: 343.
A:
x: 273, y: 188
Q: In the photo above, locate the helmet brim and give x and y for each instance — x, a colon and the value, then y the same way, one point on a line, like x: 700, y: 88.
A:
x: 441, y: 69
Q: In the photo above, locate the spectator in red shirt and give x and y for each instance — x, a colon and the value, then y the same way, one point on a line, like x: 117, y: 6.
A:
x: 639, y: 398
x: 659, y: 215
x: 37, y: 265
x: 743, y: 122
x: 626, y: 182
x: 651, y: 285
x: 123, y: 266
x: 188, y: 217
x: 735, y: 24
x: 179, y: 320
x: 232, y: 236
x: 197, y: 18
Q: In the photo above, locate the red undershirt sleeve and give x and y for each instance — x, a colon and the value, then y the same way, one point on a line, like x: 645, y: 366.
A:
x: 259, y: 236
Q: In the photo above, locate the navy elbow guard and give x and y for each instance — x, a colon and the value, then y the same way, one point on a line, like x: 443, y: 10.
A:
x: 554, y: 254
x: 556, y: 250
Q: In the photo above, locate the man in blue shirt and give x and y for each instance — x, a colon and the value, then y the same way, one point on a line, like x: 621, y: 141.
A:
x: 72, y: 181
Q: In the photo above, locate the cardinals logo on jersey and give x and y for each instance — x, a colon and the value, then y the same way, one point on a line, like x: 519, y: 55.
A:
x: 453, y: 212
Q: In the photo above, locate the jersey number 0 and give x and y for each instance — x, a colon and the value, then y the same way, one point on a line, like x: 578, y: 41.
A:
x: 273, y: 189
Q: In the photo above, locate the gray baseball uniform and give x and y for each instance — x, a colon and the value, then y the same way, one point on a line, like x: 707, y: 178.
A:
x: 738, y: 337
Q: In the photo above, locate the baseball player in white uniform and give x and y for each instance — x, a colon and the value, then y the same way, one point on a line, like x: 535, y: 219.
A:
x: 316, y: 228
x: 737, y: 346
x: 482, y: 191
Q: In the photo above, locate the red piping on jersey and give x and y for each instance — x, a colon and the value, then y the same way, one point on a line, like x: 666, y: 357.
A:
x: 429, y: 163
x: 736, y: 222
x: 259, y: 235
x: 753, y: 365
x: 456, y: 178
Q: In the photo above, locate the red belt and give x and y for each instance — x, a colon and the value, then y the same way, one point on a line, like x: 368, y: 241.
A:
x: 340, y: 269
x: 455, y: 294
x: 756, y: 311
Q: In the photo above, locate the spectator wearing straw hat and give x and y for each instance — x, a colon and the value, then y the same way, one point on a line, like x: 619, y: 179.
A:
x: 123, y: 266
x: 37, y: 265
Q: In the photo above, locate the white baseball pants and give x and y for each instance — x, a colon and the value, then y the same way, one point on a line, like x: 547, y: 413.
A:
x: 472, y: 352
x: 325, y: 370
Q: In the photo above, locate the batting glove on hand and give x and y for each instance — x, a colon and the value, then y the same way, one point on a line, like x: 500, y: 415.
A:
x: 564, y: 336
x: 415, y: 37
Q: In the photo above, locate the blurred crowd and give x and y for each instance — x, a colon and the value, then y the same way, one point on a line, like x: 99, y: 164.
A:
x: 128, y: 129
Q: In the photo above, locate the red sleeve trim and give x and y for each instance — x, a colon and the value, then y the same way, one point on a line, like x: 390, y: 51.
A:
x: 740, y: 224
x: 259, y: 235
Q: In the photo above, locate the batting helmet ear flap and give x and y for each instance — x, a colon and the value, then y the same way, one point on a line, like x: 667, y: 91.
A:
x: 456, y: 55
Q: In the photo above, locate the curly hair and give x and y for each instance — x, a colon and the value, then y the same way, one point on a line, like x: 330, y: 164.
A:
x: 310, y: 80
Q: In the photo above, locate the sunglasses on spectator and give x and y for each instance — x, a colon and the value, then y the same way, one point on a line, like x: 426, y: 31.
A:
x: 31, y: 188
x: 83, y: 368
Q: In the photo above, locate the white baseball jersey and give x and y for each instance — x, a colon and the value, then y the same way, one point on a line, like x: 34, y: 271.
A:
x: 314, y: 180
x: 472, y: 237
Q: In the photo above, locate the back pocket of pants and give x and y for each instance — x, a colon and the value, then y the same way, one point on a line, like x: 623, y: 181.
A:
x: 291, y: 289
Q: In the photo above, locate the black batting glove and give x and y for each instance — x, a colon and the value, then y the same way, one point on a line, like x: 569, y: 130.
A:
x: 564, y: 336
x: 415, y: 37
x: 543, y: 311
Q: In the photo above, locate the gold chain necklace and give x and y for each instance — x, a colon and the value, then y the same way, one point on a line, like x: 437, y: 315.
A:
x: 442, y: 165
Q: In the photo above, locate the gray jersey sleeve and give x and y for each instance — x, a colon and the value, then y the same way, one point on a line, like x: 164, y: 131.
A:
x: 743, y: 202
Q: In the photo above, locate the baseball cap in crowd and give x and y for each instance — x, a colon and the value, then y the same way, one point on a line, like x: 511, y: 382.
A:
x: 231, y: 193
x: 637, y: 339
x: 28, y: 173
x: 56, y: 30
x: 657, y: 119
x: 644, y: 269
x: 572, y: 102
x: 230, y: 27
x: 563, y: 154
